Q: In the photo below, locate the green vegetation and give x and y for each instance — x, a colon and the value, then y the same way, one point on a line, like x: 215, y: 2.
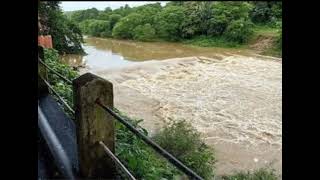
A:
x: 209, y: 41
x: 66, y: 34
x: 201, y: 23
x: 181, y: 140
x: 51, y: 57
x: 185, y: 20
x: 227, y: 24
x: 260, y: 174
x: 144, y: 33
x: 139, y: 158
x: 178, y: 137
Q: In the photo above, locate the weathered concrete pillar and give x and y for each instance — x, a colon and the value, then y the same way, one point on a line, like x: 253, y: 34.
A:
x: 93, y: 125
x: 42, y: 72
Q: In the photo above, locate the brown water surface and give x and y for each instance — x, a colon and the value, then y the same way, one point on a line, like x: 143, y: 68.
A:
x: 111, y: 53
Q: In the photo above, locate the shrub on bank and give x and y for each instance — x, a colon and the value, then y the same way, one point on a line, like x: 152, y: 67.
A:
x: 51, y: 58
x: 181, y: 140
x: 239, y: 31
x: 139, y: 158
x: 144, y: 32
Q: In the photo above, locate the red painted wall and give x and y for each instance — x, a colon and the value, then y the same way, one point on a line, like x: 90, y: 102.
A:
x: 45, y: 41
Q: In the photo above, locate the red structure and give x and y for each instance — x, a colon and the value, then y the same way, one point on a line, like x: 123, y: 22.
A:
x: 45, y: 41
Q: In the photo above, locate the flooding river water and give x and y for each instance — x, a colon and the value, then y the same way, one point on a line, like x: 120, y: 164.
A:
x: 105, y: 53
x: 232, y: 97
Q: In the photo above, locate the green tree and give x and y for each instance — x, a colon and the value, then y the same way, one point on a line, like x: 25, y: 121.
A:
x: 107, y: 10
x: 144, y: 32
x: 99, y: 28
x: 84, y: 26
x: 114, y: 18
x: 224, y: 13
x: 169, y: 23
x: 197, y: 16
x: 149, y: 11
x: 82, y: 15
x: 239, y: 31
x: 66, y: 35
x: 266, y: 12
x: 124, y: 28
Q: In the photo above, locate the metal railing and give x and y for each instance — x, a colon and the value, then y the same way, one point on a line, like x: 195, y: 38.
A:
x: 151, y: 143
x: 178, y: 164
x: 60, y: 99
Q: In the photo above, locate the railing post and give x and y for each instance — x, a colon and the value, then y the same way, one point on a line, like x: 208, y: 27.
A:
x: 94, y: 125
x: 42, y: 72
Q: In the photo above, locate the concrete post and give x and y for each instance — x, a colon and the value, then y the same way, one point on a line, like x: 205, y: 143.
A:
x: 93, y: 125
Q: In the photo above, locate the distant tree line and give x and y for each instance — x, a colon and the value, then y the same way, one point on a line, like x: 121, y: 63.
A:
x: 231, y: 21
x: 180, y: 20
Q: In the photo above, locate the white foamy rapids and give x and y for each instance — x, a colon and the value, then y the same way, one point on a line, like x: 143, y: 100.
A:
x: 236, y: 99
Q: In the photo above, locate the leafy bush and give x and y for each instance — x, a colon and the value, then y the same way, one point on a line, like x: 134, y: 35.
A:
x: 266, y: 12
x: 169, y: 23
x: 228, y: 21
x: 114, y: 18
x: 260, y: 174
x: 261, y: 12
x: 66, y: 35
x: 181, y: 140
x: 144, y: 32
x: 123, y: 29
x: 239, y: 31
x: 217, y: 25
x: 214, y: 41
x: 99, y: 28
x: 51, y: 57
x: 139, y: 158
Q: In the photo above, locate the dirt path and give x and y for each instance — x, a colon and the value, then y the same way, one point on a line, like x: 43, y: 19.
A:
x: 235, y: 102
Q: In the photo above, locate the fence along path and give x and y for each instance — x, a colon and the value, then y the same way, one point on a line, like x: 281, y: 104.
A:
x: 94, y: 117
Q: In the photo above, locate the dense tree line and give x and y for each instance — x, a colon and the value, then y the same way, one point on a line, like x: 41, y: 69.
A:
x: 180, y: 20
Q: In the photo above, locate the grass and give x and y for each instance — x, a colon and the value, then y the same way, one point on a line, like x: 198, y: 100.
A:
x: 258, y: 32
x: 260, y: 174
x: 265, y: 30
x: 204, y: 41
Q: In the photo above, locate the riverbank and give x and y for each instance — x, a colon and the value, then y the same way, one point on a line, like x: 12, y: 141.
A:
x: 234, y: 101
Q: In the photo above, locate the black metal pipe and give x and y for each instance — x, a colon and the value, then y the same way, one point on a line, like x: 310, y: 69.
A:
x: 59, y: 97
x: 60, y: 156
x: 115, y: 159
x: 55, y: 72
x: 155, y: 146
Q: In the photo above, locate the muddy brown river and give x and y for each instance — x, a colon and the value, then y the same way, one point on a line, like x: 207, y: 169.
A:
x: 233, y: 97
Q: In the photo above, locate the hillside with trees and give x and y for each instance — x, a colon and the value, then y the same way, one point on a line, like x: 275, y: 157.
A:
x: 202, y: 23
